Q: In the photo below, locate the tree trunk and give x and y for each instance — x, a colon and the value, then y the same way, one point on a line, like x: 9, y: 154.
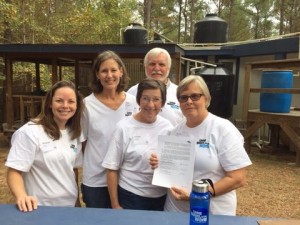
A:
x: 192, y: 22
x: 147, y: 14
x: 281, y: 20
x: 179, y: 20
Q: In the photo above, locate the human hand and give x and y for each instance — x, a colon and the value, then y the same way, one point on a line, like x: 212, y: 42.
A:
x: 27, y: 203
x: 153, y: 161
x: 116, y: 206
x: 78, y: 204
x: 180, y: 193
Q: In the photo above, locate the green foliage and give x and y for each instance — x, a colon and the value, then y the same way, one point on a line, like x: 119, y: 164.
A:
x: 69, y: 21
x: 101, y: 21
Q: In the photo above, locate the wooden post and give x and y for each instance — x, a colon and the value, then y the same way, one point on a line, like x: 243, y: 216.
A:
x: 54, y: 71
x: 76, y: 74
x: 9, y: 99
x: 294, y: 138
x: 37, y: 77
x: 246, y: 92
x: 22, y: 109
x: 59, y: 72
x: 176, y: 62
x: 32, y: 111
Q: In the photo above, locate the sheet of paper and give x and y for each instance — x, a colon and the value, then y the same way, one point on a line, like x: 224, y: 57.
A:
x: 176, y: 157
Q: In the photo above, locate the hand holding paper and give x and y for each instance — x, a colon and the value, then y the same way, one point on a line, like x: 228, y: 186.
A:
x: 176, y: 156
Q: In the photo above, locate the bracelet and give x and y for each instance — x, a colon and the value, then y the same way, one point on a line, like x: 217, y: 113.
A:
x: 212, y: 186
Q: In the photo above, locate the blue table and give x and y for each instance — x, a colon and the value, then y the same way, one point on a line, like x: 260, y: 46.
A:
x: 9, y: 215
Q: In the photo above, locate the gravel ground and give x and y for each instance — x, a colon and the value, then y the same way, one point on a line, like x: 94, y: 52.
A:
x: 272, y: 190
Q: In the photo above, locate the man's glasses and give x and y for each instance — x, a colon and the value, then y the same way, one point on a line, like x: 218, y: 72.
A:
x: 147, y: 99
x: 193, y: 97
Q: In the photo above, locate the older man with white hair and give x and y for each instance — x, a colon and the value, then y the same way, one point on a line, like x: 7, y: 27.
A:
x: 157, y: 64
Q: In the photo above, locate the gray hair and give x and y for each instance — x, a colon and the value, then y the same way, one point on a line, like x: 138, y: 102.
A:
x: 199, y: 81
x: 156, y: 51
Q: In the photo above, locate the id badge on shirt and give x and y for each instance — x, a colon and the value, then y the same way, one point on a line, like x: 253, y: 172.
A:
x: 140, y: 140
x: 48, y: 146
x: 129, y: 109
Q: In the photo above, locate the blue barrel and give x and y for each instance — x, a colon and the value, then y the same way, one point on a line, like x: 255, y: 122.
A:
x: 273, y: 102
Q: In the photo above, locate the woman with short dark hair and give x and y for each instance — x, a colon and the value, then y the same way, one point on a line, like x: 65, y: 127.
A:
x: 129, y: 174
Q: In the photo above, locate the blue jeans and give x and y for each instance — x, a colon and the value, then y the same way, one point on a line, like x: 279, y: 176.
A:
x: 128, y: 200
x: 95, y: 197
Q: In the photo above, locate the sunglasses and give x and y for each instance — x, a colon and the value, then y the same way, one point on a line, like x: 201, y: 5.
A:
x: 193, y: 97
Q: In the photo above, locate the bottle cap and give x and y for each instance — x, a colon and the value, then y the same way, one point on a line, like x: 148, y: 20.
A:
x: 200, y: 186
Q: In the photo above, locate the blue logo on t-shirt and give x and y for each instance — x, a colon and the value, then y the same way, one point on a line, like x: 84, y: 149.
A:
x: 202, y: 143
x: 72, y: 146
x: 173, y: 105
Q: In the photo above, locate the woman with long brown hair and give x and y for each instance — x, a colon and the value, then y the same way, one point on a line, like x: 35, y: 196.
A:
x: 46, y: 151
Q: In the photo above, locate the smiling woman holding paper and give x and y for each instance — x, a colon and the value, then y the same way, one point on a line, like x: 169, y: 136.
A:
x: 129, y: 174
x: 219, y: 151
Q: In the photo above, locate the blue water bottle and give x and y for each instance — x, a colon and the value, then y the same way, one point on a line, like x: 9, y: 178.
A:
x: 199, y: 203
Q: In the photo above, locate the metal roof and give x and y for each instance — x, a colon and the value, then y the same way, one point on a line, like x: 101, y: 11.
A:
x: 67, y: 53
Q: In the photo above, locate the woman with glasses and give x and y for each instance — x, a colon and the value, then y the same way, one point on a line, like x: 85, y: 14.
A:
x: 220, y: 154
x: 129, y: 174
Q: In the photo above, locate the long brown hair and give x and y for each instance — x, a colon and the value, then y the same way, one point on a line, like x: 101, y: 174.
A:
x: 45, y: 118
x: 95, y: 85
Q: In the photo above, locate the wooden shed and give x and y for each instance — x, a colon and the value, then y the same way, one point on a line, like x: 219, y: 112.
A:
x: 18, y: 108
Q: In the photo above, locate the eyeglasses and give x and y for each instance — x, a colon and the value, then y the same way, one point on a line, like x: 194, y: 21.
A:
x: 146, y: 99
x: 193, y: 97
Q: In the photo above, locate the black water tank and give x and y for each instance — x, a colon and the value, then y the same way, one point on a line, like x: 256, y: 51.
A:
x: 135, y: 34
x: 220, y: 82
x: 212, y: 29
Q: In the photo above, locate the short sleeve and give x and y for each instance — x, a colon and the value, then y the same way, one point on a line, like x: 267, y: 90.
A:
x: 22, y: 152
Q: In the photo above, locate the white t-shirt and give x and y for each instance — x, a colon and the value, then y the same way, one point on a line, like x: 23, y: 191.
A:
x: 219, y: 148
x: 129, y: 152
x: 98, y: 124
x: 171, y: 111
x: 47, y: 165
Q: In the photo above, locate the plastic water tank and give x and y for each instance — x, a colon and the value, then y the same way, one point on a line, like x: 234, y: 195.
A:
x: 276, y: 102
x: 220, y: 82
x: 135, y: 34
x: 212, y: 29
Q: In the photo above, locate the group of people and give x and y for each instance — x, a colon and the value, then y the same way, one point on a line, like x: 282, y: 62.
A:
x: 113, y: 135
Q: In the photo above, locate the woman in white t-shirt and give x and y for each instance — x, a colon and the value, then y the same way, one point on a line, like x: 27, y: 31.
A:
x: 129, y: 174
x: 108, y: 104
x: 220, y: 154
x: 46, y: 151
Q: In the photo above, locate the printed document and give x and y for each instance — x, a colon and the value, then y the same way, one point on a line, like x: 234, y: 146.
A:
x: 176, y: 156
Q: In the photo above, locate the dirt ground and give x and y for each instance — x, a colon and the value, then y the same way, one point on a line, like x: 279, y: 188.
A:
x: 273, y: 188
